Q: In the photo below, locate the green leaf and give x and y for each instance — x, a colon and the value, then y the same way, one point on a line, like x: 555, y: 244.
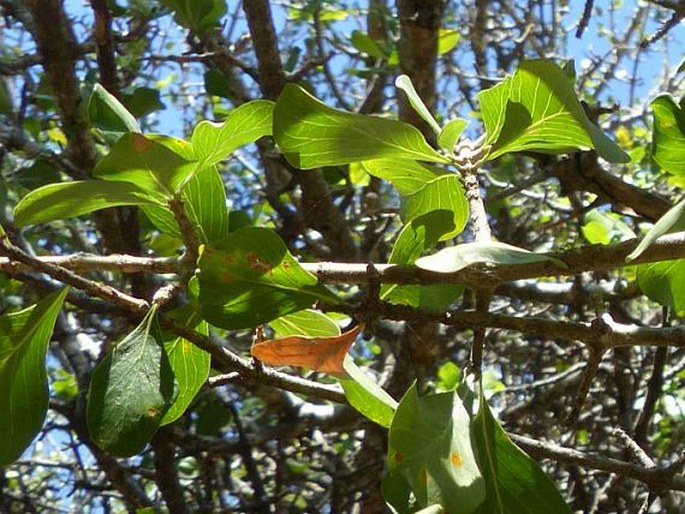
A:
x: 213, y: 142
x: 537, y: 110
x: 250, y: 278
x: 24, y: 338
x: 668, y: 143
x: 131, y: 390
x: 217, y: 84
x: 189, y: 364
x: 442, y: 193
x: 420, y: 235
x: 311, y: 134
x: 405, y: 176
x: 142, y: 101
x: 455, y: 258
x: 449, y: 376
x: 197, y: 15
x: 515, y: 483
x: 366, y: 45
x: 448, y: 39
x: 365, y: 395
x: 146, y: 162
x: 397, y: 494
x: 604, y: 228
x: 450, y: 133
x: 430, y: 445
x: 404, y: 83
x: 664, y: 282
x: 672, y: 221
x: 109, y: 114
x: 70, y: 199
x: 308, y: 323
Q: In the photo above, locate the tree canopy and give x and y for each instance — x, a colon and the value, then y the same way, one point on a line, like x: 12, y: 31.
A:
x: 341, y: 256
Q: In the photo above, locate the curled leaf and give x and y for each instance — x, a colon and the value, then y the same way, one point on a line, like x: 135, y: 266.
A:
x: 324, y: 354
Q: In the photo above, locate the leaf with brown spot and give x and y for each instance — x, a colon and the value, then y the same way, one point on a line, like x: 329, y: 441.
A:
x: 324, y: 354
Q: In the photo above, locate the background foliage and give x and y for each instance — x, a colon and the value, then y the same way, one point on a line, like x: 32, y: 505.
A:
x: 180, y: 178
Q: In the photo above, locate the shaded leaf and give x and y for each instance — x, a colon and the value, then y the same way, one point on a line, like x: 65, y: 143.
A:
x: 404, y: 83
x: 107, y: 113
x: 250, y: 278
x: 324, y: 354
x: 366, y: 45
x: 515, y: 483
x: 672, y: 221
x: 130, y: 391
x: 311, y: 134
x: 142, y: 101
x: 430, y: 445
x: 668, y: 140
x: 213, y: 142
x: 455, y: 258
x: 537, y: 109
x: 197, y: 15
x: 24, y: 338
x: 70, y: 199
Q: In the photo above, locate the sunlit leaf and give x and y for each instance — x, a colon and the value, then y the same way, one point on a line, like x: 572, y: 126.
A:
x: 365, y: 395
x: 307, y: 322
x: 537, y: 109
x: 450, y: 133
x: 404, y: 83
x: 250, y: 278
x: 664, y: 282
x: 455, y: 258
x: 131, y: 390
x: 442, y: 193
x: 604, y: 228
x: 447, y: 40
x: 213, y: 142
x: 204, y: 199
x: 430, y: 444
x: 189, y: 364
x: 311, y: 134
x: 324, y: 354
x: 71, y: 199
x: 417, y: 237
x: 672, y: 221
x: 147, y: 163
x: 668, y: 142
x: 24, y: 338
x: 406, y: 176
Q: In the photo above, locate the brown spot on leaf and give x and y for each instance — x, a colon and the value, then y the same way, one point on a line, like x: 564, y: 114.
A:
x: 398, y: 457
x: 256, y: 264
x: 151, y: 412
x: 141, y: 143
x: 456, y: 459
x: 423, y: 477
